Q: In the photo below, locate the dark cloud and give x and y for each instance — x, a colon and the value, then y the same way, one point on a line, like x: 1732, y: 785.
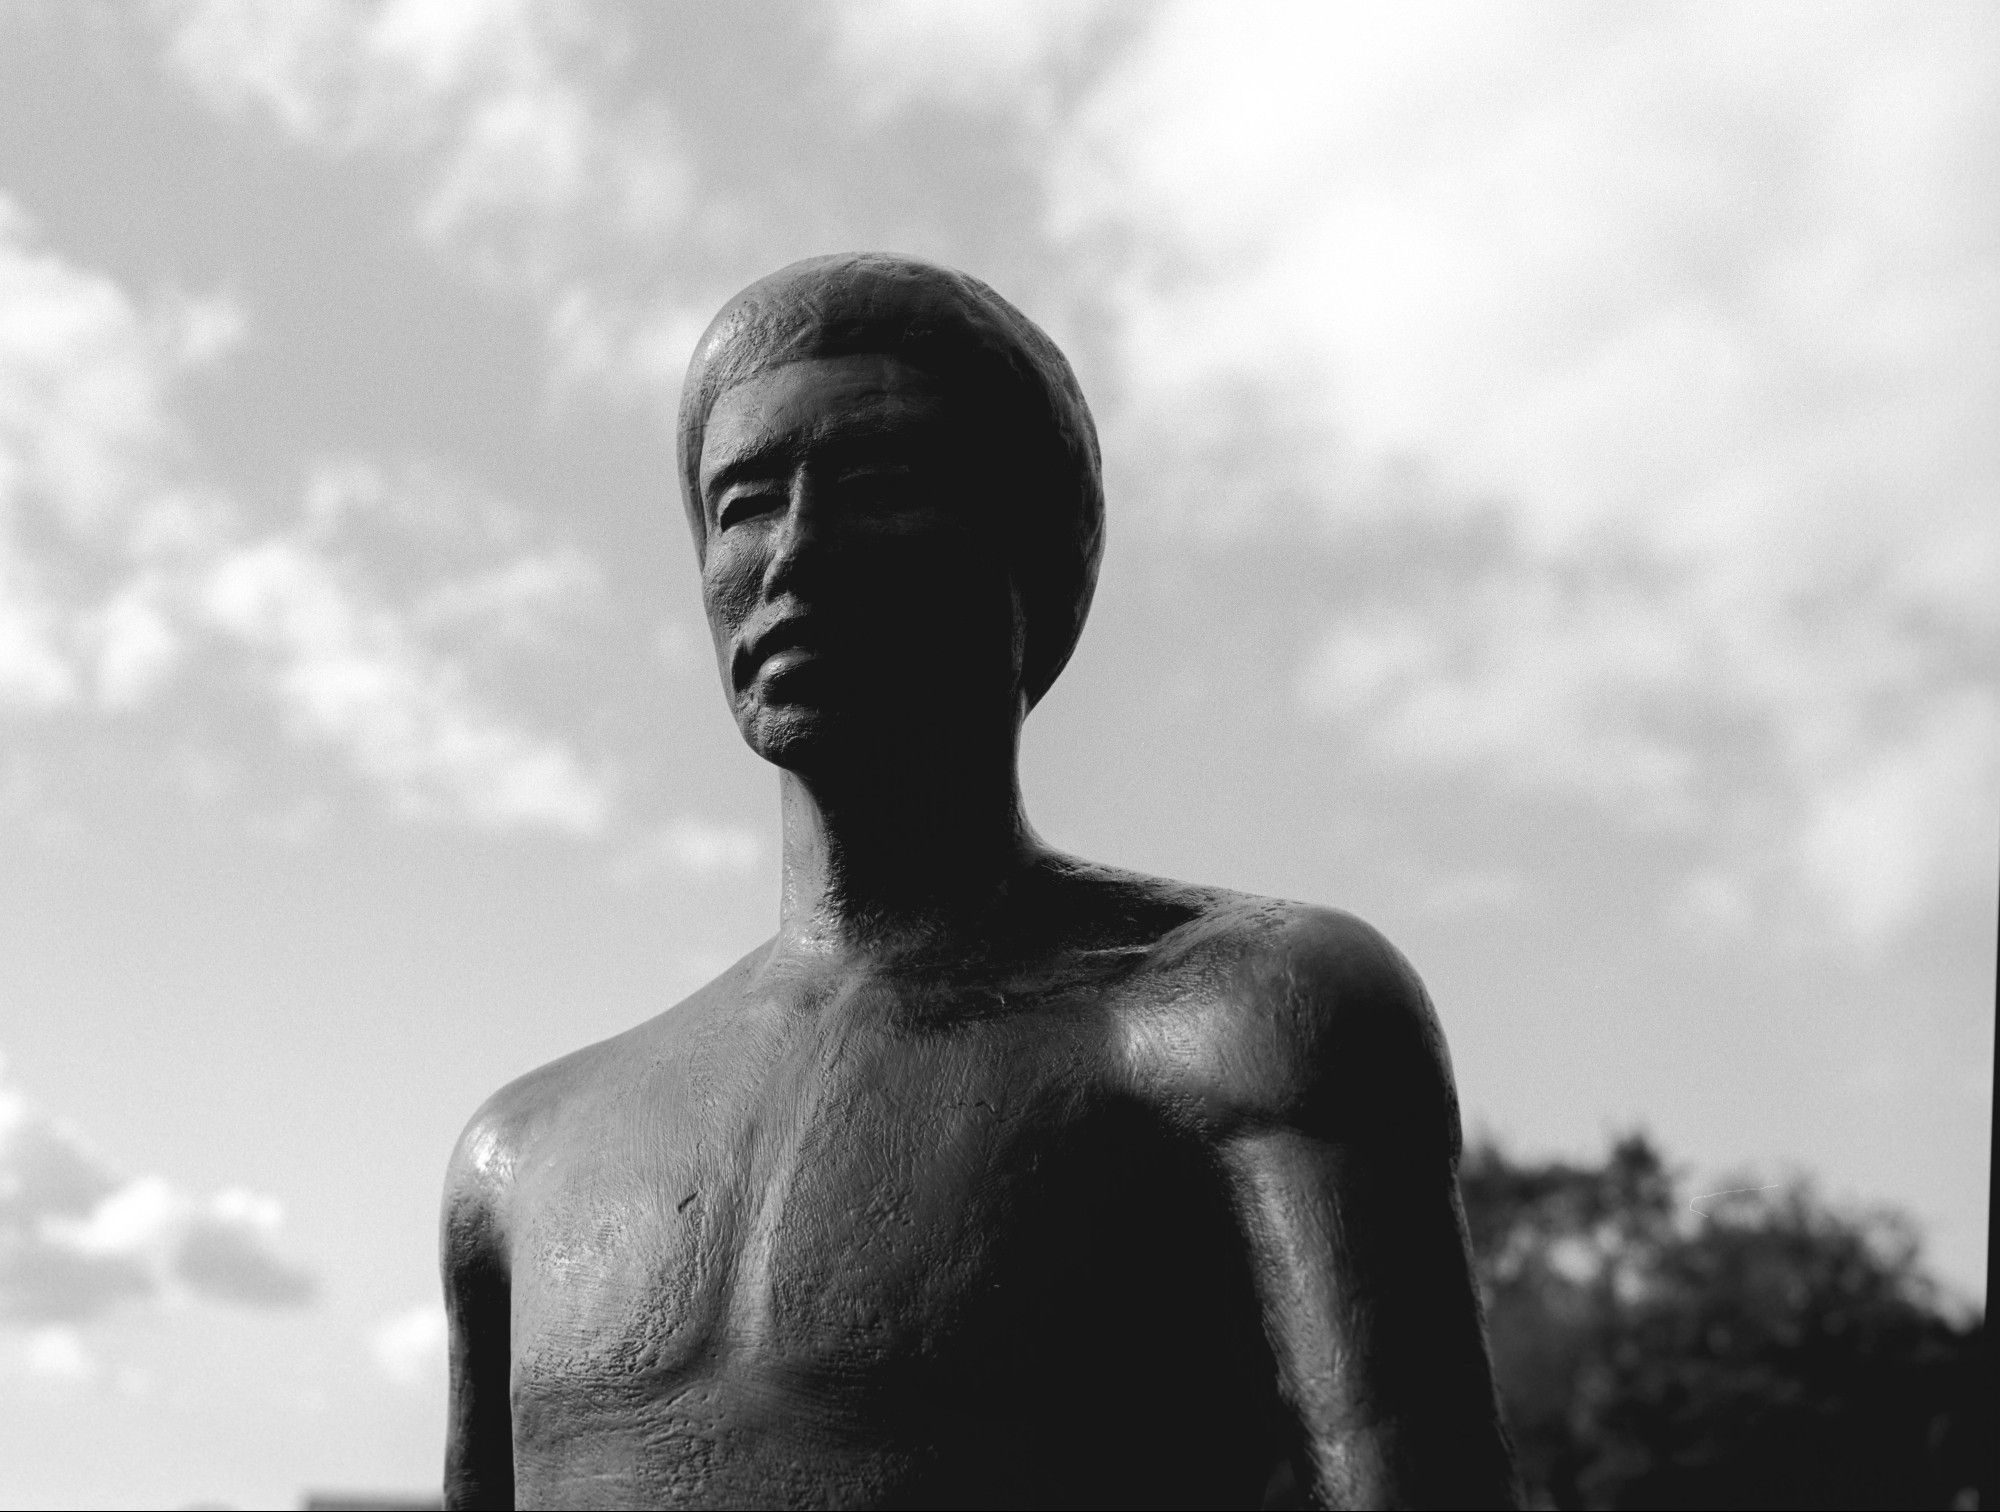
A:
x: 78, y: 1240
x: 42, y: 1282
x: 234, y: 1263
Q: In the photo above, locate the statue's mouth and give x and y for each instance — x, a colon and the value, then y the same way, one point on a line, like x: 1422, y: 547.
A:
x: 784, y: 646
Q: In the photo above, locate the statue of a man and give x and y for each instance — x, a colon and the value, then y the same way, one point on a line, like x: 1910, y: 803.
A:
x: 996, y: 1177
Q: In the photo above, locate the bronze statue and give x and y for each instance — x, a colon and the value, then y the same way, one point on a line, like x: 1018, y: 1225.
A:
x: 996, y: 1177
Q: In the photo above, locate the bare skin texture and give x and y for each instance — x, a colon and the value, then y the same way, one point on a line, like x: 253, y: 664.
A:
x: 995, y: 1178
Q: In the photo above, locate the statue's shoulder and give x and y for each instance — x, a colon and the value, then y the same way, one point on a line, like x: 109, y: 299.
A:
x: 538, y: 1114
x: 504, y: 1134
x: 1292, y: 1015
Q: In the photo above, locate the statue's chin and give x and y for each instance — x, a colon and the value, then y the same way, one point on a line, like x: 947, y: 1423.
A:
x: 801, y: 736
x: 813, y: 740
x: 817, y: 724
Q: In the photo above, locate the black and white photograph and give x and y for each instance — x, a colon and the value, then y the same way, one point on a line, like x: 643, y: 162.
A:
x: 1045, y: 753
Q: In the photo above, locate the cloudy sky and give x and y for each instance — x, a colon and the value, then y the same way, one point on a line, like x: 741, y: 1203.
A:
x: 1553, y: 498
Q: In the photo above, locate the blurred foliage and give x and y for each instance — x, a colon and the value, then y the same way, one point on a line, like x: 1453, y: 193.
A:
x: 1758, y: 1348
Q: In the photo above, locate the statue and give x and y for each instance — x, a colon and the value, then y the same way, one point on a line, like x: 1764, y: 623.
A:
x: 996, y: 1177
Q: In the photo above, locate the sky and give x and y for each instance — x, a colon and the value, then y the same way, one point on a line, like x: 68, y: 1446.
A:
x: 1552, y: 514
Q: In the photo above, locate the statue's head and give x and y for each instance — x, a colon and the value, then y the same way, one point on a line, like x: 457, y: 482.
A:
x: 894, y: 488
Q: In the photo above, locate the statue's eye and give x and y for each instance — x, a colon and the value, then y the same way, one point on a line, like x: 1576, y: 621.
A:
x: 748, y: 504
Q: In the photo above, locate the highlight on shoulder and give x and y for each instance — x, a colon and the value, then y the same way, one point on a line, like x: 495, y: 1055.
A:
x: 1307, y: 1018
x: 479, y: 1176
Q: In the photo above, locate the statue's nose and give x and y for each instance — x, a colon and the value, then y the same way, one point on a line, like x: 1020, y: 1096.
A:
x: 801, y: 538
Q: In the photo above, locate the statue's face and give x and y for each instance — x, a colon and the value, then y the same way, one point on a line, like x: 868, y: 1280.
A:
x: 852, y: 585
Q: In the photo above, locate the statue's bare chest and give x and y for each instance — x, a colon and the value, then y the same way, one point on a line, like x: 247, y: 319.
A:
x: 854, y: 1256
x: 862, y: 1210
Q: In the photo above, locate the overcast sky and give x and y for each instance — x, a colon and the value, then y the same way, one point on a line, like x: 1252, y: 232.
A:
x: 1553, y: 490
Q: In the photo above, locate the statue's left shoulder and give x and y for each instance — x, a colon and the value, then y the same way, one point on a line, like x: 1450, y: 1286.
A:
x: 1312, y: 1020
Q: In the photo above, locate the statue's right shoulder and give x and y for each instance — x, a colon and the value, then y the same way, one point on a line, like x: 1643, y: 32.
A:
x: 480, y: 1176
x: 538, y: 1114
x: 511, y: 1126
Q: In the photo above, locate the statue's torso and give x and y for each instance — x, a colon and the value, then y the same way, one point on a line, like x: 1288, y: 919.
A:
x: 877, y: 1240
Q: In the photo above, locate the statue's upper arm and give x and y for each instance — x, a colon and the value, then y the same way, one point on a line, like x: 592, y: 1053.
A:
x: 1337, y: 1127
x: 479, y: 1452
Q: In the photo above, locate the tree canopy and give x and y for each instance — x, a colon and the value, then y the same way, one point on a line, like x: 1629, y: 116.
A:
x: 1753, y: 1348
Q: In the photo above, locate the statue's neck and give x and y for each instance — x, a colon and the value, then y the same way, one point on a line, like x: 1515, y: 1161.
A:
x: 887, y: 855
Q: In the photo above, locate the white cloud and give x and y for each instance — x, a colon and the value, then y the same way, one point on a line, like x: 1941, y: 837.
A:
x: 135, y: 643
x: 33, y: 672
x: 1525, y: 680
x: 228, y: 1251
x: 408, y: 1348
x: 81, y: 387
x: 347, y: 669
x: 962, y: 50
x: 56, y: 1352
x: 198, y: 331
x: 1701, y: 308
x: 79, y: 1240
x: 1913, y: 817
x: 520, y: 600
x: 115, y: 568
x: 532, y: 178
x: 80, y: 432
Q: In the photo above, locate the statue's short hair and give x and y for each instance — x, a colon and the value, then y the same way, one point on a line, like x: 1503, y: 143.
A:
x: 961, y: 332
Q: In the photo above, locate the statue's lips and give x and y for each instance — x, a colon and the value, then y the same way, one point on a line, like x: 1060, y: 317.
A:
x: 785, y: 647
x: 778, y: 663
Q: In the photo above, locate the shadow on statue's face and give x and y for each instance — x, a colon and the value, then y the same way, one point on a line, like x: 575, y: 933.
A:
x: 858, y: 595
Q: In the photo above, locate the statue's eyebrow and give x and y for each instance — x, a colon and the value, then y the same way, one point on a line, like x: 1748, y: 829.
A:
x: 845, y: 441
x: 765, y: 459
